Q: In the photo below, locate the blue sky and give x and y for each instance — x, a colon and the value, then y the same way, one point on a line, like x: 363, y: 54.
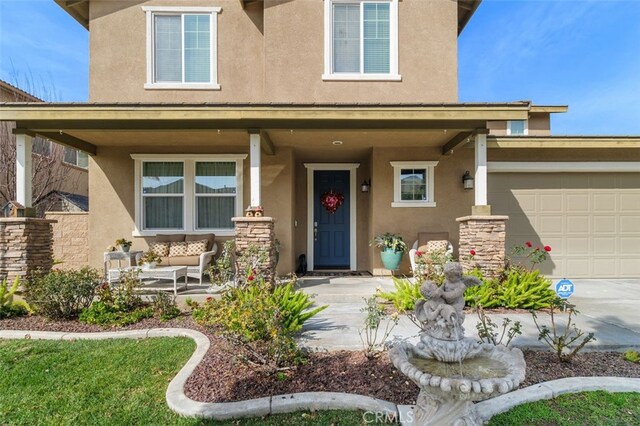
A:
x: 582, y: 53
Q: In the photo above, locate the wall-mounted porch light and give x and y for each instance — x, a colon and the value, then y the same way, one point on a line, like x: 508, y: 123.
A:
x: 366, y: 185
x: 467, y: 180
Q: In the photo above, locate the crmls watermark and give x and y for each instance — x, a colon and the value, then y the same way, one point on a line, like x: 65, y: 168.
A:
x: 387, y: 417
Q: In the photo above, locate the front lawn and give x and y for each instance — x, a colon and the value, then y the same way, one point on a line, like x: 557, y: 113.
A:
x: 114, y: 382
x: 581, y: 409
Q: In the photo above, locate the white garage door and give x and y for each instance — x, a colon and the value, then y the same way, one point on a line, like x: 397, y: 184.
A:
x: 591, y: 220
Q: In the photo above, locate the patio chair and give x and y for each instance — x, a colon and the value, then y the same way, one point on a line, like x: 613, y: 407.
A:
x: 426, y: 239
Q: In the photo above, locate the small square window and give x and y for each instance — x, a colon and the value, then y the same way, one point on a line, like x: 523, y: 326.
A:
x: 76, y: 158
x: 517, y: 128
x: 413, y: 183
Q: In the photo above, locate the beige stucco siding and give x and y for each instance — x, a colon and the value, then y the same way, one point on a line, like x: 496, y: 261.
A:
x: 278, y: 59
x: 539, y: 125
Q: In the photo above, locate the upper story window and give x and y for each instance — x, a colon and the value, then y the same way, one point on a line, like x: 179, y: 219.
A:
x: 76, y: 158
x: 182, y: 47
x: 41, y: 146
x: 517, y: 128
x: 413, y: 183
x: 186, y: 193
x: 361, y: 40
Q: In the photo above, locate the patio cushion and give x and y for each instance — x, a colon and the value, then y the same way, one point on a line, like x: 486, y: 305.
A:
x: 196, y: 248
x: 164, y: 261
x: 171, y: 238
x: 160, y: 248
x: 183, y: 261
x: 437, y: 245
x: 198, y: 237
x: 425, y: 237
x: 178, y: 248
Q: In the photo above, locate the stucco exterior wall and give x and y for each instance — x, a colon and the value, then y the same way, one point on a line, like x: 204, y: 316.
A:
x: 276, y: 59
x: 111, y: 186
x: 539, y: 125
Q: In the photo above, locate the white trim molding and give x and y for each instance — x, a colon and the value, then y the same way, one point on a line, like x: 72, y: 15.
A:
x: 564, y: 167
x: 480, y: 169
x: 189, y: 195
x: 429, y: 167
x: 330, y: 75
x: 213, y: 12
x: 24, y: 168
x: 353, y: 243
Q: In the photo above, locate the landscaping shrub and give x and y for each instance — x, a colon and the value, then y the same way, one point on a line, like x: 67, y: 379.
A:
x: 8, y: 306
x: 117, y: 306
x: 405, y: 295
x: 488, y: 331
x: 372, y: 342
x: 431, y: 267
x: 261, y: 318
x: 62, y: 294
x: 164, y: 305
x: 632, y: 356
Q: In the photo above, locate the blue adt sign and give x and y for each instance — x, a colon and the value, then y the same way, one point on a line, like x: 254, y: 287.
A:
x: 564, y: 288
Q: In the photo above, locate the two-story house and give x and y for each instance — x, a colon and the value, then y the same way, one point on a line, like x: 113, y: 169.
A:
x: 200, y: 108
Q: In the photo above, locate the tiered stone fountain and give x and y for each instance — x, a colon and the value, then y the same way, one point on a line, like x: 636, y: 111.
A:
x: 453, y: 371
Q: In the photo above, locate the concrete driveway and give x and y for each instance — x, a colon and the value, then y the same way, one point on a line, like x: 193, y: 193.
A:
x: 609, y: 308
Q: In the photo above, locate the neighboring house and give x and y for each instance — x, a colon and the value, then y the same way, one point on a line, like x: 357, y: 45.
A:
x: 200, y: 108
x: 55, y: 168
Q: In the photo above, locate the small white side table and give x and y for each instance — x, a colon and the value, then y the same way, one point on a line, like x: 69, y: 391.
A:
x: 129, y: 256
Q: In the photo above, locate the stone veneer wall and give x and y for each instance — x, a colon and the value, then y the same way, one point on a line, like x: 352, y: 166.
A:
x: 70, y: 239
x: 486, y: 235
x: 258, y: 231
x: 26, y: 245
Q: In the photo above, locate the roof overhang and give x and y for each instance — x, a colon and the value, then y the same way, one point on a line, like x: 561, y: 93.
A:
x: 549, y: 108
x: 555, y: 142
x: 466, y: 9
x: 78, y: 9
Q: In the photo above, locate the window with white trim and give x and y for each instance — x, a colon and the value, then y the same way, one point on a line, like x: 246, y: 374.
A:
x: 76, y: 158
x: 181, y: 193
x: 413, y: 183
x: 361, y: 40
x: 41, y: 146
x: 517, y: 127
x: 181, y: 47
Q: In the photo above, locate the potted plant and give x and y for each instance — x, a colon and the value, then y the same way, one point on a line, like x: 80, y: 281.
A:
x: 393, y: 247
x: 149, y: 260
x: 124, y: 244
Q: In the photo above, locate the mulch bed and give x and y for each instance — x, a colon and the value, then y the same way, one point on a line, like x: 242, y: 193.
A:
x: 222, y: 376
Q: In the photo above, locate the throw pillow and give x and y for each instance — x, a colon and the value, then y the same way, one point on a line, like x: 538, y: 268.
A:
x: 437, y: 245
x: 160, y: 249
x: 196, y: 248
x: 178, y: 248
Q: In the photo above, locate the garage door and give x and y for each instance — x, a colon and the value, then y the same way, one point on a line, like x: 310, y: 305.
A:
x: 591, y: 220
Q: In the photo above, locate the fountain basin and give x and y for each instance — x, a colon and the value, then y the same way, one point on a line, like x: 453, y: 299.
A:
x: 487, y: 371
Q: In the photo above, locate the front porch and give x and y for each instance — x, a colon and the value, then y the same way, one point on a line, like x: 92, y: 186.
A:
x: 270, y: 156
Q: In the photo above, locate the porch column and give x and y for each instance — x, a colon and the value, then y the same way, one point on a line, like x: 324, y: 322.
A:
x: 23, y: 170
x: 254, y: 159
x: 480, y: 206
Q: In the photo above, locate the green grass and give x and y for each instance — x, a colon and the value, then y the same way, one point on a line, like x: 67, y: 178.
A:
x: 114, y: 382
x: 580, y: 409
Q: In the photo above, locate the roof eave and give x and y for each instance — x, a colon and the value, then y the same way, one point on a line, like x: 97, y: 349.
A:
x: 78, y: 9
x: 466, y: 9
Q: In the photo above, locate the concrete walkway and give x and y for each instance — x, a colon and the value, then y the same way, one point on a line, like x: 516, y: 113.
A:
x: 609, y: 308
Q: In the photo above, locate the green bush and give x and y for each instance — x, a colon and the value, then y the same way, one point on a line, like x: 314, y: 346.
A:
x: 164, y: 305
x: 8, y: 306
x: 405, y: 295
x: 101, y: 313
x: 261, y: 318
x: 632, y: 356
x: 62, y: 294
x: 520, y: 289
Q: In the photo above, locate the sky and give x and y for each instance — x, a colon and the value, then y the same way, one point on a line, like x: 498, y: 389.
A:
x: 585, y: 54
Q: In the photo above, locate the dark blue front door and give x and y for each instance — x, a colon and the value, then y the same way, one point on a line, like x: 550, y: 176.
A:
x: 331, y: 233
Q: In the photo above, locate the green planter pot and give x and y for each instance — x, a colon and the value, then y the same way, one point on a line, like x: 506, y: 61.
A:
x: 391, y: 260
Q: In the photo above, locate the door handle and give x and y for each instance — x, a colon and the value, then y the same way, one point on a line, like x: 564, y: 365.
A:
x: 315, y: 231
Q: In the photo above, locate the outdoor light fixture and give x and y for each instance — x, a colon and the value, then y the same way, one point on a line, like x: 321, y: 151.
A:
x: 337, y: 143
x: 366, y: 185
x: 467, y: 180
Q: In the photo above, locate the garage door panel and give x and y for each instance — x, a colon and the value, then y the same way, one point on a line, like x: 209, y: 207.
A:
x: 591, y: 220
x: 604, y: 224
x: 577, y: 202
x: 603, y: 202
x: 577, y: 224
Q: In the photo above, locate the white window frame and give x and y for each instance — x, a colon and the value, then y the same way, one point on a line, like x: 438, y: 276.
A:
x: 429, y: 167
x: 77, y: 151
x: 189, y: 192
x: 393, y: 44
x: 526, y: 128
x: 151, y: 11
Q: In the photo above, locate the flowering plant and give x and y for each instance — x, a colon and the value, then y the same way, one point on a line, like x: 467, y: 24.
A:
x: 331, y: 201
x: 535, y: 255
x: 149, y: 257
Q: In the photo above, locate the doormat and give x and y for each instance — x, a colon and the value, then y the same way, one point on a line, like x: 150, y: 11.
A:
x: 337, y: 274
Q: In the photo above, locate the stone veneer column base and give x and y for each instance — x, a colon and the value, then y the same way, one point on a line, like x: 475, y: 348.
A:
x: 258, y: 231
x: 26, y: 245
x: 486, y: 235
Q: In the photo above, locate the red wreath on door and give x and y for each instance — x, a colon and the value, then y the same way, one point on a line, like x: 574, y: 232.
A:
x: 331, y: 201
